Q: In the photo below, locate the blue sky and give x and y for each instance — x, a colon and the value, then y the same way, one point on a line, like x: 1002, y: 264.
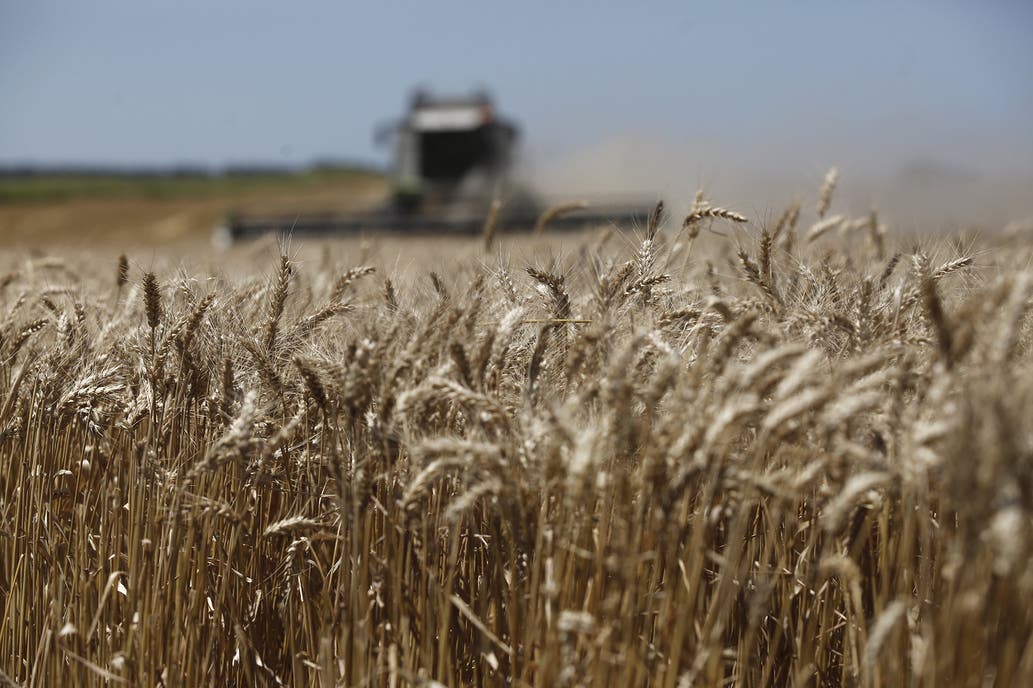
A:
x: 869, y: 85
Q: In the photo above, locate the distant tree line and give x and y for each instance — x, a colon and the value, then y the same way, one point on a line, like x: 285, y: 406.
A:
x: 183, y: 170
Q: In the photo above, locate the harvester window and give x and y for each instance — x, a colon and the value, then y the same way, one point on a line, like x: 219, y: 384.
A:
x: 450, y: 155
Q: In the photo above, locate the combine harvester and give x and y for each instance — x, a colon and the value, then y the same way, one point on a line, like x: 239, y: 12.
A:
x: 453, y: 162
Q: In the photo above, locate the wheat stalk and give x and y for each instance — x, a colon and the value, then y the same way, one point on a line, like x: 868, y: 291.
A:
x: 828, y: 185
x: 555, y: 211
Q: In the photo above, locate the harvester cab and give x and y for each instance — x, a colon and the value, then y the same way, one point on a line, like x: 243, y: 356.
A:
x: 450, y: 154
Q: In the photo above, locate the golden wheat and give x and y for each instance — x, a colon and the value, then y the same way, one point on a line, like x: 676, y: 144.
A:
x: 758, y: 464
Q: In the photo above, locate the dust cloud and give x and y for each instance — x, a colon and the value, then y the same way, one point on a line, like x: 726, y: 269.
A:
x: 920, y: 193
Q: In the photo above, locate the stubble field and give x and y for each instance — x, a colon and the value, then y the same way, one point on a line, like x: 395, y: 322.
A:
x: 797, y: 452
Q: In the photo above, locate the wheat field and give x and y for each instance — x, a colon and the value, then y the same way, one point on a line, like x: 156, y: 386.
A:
x: 704, y: 451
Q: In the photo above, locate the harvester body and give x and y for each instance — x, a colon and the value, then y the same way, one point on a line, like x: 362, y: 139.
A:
x: 453, y: 156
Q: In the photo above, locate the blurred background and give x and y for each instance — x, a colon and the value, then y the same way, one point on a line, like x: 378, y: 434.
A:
x: 151, y: 119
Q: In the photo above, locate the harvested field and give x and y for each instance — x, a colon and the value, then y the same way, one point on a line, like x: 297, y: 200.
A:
x: 794, y: 454
x: 162, y: 212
